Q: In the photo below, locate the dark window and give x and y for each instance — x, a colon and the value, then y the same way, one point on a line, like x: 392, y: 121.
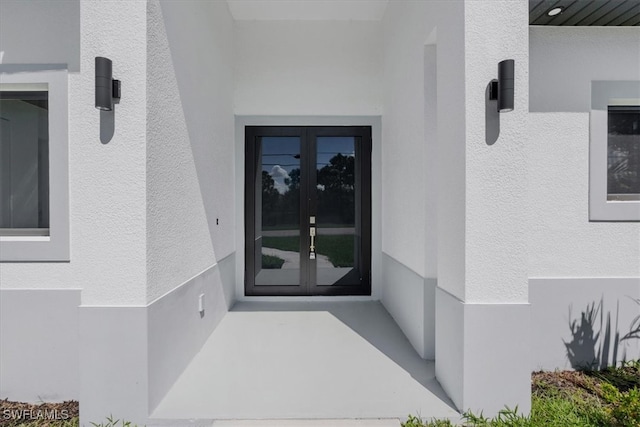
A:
x: 623, y: 148
x: 24, y: 163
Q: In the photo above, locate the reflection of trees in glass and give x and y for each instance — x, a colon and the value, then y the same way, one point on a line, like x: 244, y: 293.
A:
x: 336, y: 195
x: 336, y: 191
x: 293, y: 182
x: 623, y: 171
x: 269, y: 193
x: 282, y: 210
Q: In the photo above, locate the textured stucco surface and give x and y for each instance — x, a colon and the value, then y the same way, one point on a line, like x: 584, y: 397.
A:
x: 204, y: 74
x: 178, y: 239
x: 564, y: 61
x: 107, y: 182
x: 190, y: 142
x: 496, y: 176
x: 308, y: 68
x: 561, y: 240
x: 406, y: 179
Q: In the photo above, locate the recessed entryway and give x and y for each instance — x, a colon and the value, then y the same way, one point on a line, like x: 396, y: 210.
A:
x: 306, y: 360
x: 308, y: 210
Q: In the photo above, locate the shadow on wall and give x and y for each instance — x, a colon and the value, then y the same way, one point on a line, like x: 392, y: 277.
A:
x: 107, y: 126
x: 491, y: 118
x: 595, y: 342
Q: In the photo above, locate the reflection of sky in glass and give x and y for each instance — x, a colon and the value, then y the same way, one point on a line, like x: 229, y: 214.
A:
x: 279, y: 158
x: 279, y: 154
x: 329, y: 146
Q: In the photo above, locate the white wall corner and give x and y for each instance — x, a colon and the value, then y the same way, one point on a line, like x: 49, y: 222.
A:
x: 449, y: 338
x: 495, y: 162
x: 410, y: 300
x: 497, y: 351
x: 430, y: 286
x: 480, y: 344
x: 108, y: 159
x: 179, y: 243
x: 113, y: 364
x: 177, y: 329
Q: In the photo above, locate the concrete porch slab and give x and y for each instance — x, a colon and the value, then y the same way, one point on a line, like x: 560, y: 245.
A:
x: 307, y: 361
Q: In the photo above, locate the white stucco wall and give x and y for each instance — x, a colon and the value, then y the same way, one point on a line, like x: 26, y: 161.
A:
x: 40, y: 32
x: 204, y: 74
x: 496, y: 179
x: 407, y: 213
x: 308, y: 68
x: 190, y: 186
x: 561, y: 240
x: 564, y: 61
x: 107, y: 182
x: 422, y: 144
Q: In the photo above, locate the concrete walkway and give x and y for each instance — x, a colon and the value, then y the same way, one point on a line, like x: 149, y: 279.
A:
x: 292, y: 259
x: 332, y: 231
x: 314, y: 364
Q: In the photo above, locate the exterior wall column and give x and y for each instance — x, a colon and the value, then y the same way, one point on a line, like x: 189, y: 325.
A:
x: 482, y: 310
x: 108, y: 185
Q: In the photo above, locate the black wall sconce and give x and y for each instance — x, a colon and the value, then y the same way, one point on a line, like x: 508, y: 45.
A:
x: 107, y: 89
x: 502, y: 88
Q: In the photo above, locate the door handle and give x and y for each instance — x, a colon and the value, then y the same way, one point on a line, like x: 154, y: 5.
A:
x: 312, y: 246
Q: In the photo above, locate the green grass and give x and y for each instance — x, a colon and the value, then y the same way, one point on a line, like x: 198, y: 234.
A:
x: 338, y: 248
x: 271, y: 262
x: 557, y: 410
x: 608, y: 398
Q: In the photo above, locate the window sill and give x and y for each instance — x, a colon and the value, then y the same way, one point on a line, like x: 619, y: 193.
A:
x: 25, y: 239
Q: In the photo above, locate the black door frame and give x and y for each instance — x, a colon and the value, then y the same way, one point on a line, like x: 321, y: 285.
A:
x: 308, y: 136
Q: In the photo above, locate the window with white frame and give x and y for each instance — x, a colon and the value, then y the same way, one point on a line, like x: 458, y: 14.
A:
x: 34, y: 223
x: 24, y: 160
x: 614, y: 187
x: 623, y: 150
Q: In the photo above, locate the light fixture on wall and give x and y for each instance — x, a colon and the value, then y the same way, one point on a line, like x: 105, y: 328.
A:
x: 502, y: 88
x: 107, y: 89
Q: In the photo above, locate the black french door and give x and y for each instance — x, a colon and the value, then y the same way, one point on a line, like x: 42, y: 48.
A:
x: 308, y: 210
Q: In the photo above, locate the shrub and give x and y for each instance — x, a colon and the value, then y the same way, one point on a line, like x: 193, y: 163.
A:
x: 624, y: 408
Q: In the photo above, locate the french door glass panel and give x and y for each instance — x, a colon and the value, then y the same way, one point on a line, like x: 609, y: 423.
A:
x: 336, y: 208
x: 278, y: 213
x: 308, y: 201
